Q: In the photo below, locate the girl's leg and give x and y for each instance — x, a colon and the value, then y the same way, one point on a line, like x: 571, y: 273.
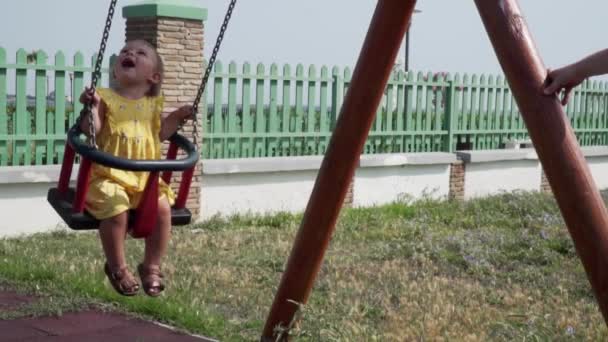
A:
x: 155, y: 250
x: 158, y: 241
x: 112, y: 233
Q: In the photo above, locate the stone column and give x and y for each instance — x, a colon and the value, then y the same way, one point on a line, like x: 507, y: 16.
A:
x: 350, y: 194
x: 457, y: 173
x: 175, y: 28
x: 544, y: 183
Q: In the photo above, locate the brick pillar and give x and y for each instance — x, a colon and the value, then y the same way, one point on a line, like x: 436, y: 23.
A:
x: 544, y: 183
x: 457, y: 171
x: 176, y: 30
x: 350, y: 194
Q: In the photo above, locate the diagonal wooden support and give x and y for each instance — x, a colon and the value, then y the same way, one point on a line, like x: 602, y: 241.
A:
x: 575, y: 191
x: 376, y: 60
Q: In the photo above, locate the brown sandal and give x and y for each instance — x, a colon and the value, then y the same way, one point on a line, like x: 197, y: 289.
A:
x: 151, y: 279
x: 122, y: 280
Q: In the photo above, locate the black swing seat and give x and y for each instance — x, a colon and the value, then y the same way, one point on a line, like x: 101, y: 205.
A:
x: 62, y: 201
x: 84, y: 221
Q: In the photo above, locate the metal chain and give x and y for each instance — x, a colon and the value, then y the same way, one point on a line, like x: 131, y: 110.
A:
x: 97, y: 74
x: 216, y: 49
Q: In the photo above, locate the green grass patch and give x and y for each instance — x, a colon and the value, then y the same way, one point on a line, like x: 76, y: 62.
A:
x: 501, y: 268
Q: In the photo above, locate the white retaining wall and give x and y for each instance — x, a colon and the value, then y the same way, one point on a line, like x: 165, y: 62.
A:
x: 382, y: 179
x: 260, y: 185
x: 597, y: 159
x: 489, y: 172
x: 23, y: 205
x: 266, y: 185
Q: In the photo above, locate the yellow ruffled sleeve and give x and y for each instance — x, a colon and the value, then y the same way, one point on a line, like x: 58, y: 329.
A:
x: 106, y: 95
x: 109, y: 99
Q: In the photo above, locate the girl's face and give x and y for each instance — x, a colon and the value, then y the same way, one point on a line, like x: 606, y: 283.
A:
x: 137, y: 64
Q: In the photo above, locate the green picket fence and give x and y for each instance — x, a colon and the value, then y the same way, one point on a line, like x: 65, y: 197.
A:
x: 278, y: 112
x: 33, y: 128
x: 486, y: 116
x: 261, y: 111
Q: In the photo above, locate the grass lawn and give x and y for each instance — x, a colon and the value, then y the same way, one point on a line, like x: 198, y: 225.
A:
x: 501, y: 268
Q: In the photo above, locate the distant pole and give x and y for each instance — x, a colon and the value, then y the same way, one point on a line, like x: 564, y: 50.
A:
x: 72, y: 88
x: 407, y: 43
x: 376, y: 61
x: 407, y: 49
x: 573, y: 186
x: 406, y: 89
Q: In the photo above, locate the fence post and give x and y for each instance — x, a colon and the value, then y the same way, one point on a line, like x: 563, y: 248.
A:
x: 337, y: 94
x: 177, y: 32
x: 448, y: 143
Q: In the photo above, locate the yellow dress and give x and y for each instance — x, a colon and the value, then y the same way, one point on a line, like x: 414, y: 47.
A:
x: 130, y: 130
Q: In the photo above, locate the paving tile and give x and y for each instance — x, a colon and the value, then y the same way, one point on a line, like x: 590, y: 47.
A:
x: 18, y: 330
x: 89, y: 325
x: 12, y: 300
x: 79, y: 323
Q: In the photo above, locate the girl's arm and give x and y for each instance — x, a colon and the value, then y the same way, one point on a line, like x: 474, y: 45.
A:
x: 572, y: 75
x: 97, y: 109
x: 593, y: 65
x: 171, y: 122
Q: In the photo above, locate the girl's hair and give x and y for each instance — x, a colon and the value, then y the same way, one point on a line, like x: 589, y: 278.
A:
x: 160, y: 68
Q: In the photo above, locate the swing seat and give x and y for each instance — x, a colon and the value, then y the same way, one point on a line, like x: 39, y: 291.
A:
x: 69, y: 202
x: 63, y: 203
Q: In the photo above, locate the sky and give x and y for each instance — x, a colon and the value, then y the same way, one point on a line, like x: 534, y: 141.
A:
x: 446, y: 36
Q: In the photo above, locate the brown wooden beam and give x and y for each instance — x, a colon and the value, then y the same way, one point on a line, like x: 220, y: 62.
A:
x: 565, y: 166
x: 376, y: 60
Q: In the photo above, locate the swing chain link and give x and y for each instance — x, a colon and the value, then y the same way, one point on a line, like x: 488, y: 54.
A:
x: 216, y: 49
x: 87, y: 110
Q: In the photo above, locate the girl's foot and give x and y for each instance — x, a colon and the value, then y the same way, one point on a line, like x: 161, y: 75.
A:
x: 122, y: 280
x: 151, y: 279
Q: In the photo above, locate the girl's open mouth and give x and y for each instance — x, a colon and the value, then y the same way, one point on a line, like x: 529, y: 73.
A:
x: 127, y: 63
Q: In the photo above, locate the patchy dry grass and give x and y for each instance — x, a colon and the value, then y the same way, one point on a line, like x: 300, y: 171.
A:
x: 501, y: 268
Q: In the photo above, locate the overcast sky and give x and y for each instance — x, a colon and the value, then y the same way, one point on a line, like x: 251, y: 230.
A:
x: 446, y: 36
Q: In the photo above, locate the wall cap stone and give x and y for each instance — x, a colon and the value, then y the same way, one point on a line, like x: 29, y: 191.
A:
x: 595, y: 151
x: 180, y: 9
x: 258, y: 165
x: 282, y: 164
x: 400, y: 159
x: 33, y: 174
x: 486, y: 156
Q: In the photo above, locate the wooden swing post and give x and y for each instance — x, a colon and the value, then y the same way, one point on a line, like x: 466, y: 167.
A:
x: 564, y: 164
x: 375, y: 64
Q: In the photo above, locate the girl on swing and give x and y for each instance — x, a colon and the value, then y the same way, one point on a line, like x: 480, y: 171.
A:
x: 128, y: 124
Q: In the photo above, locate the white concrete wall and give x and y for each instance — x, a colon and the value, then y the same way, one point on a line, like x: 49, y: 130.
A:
x: 260, y: 193
x: 384, y: 179
x: 265, y: 185
x: 483, y: 179
x: 257, y: 185
x: 491, y: 172
x: 23, y: 205
x: 25, y: 210
x: 377, y: 186
x: 599, y: 169
x: 597, y: 159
